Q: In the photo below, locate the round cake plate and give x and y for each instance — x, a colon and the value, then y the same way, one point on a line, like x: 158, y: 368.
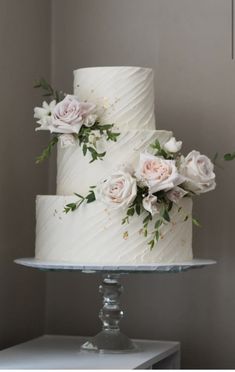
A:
x: 118, y: 269
x: 111, y: 339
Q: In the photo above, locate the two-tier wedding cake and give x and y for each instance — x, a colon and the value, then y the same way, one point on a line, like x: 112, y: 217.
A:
x: 133, y: 201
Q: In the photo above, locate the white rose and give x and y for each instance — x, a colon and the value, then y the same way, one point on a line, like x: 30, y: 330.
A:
x: 157, y: 173
x: 67, y: 140
x: 68, y: 115
x: 150, y: 204
x: 90, y: 120
x: 43, y: 114
x: 176, y: 194
x: 172, y: 145
x: 198, y: 171
x: 118, y: 190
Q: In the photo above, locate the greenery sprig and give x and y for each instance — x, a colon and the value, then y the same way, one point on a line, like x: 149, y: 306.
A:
x: 48, y: 90
x: 159, y: 151
x: 96, y: 131
x: 163, y: 218
x: 89, y: 198
x: 84, y: 136
x: 164, y: 205
x: 47, y: 151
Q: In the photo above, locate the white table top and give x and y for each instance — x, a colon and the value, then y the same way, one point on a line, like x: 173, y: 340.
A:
x: 62, y: 352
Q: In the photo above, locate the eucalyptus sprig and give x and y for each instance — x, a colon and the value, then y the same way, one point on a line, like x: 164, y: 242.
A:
x: 136, y: 206
x: 89, y: 198
x: 96, y: 131
x: 164, y: 205
x: 48, y: 90
x: 163, y: 218
x: 47, y: 151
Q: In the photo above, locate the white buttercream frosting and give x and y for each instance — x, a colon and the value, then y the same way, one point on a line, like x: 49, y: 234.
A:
x: 76, y: 174
x: 93, y: 234
x: 123, y: 95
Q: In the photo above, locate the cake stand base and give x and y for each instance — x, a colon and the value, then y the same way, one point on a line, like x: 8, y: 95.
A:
x: 110, y: 342
x: 110, y: 339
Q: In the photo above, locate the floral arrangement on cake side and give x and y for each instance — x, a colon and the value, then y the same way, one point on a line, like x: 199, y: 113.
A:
x: 71, y: 120
x: 150, y: 188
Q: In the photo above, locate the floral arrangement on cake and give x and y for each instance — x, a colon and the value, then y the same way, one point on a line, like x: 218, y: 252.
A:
x: 71, y: 120
x: 150, y: 188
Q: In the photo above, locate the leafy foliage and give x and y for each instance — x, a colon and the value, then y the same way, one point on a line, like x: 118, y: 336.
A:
x: 96, y: 131
x: 89, y: 198
x: 159, y: 151
x: 47, y: 151
x: 196, y: 222
x: 229, y: 156
x: 164, y: 205
x: 85, y: 133
x: 48, y: 90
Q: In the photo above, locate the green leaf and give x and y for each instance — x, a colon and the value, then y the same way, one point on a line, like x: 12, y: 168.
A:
x: 71, y: 206
x: 105, y: 126
x: 112, y: 136
x: 147, y: 218
x: 84, y: 149
x: 79, y: 196
x: 125, y: 220
x: 138, y: 209
x: 90, y: 197
x: 158, y: 224
x: 166, y: 216
x: 229, y: 156
x: 196, y: 222
x: 130, y: 212
x: 101, y: 155
x: 157, y: 235
x: 156, y: 145
x: 151, y: 244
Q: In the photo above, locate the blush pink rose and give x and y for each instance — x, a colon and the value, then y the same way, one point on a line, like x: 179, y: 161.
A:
x: 70, y: 114
x: 198, y: 171
x: 117, y: 191
x: 157, y: 173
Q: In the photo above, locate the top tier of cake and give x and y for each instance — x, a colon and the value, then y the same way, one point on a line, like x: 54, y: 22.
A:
x: 123, y: 95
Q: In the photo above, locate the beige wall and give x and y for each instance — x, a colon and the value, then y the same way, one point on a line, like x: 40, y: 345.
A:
x: 187, y: 43
x: 25, y: 55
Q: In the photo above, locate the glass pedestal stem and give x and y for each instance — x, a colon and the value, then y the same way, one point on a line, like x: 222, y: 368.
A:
x: 110, y: 339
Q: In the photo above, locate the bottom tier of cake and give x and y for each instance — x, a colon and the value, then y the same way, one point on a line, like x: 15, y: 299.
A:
x: 94, y: 235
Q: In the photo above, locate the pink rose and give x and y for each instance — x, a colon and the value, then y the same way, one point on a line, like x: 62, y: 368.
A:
x: 157, y: 173
x: 198, y: 171
x: 117, y: 191
x: 69, y: 115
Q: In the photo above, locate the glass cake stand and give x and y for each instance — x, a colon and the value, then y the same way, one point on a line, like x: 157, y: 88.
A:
x: 111, y: 339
